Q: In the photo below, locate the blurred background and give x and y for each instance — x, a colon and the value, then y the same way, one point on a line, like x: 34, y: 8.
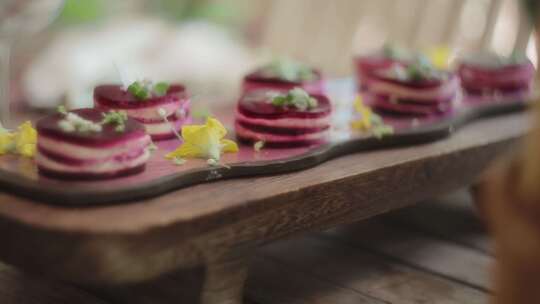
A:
x: 211, y: 44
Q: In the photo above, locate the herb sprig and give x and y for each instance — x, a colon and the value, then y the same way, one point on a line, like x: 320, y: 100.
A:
x: 142, y: 90
x: 289, y: 70
x: 295, y: 98
x: 117, y: 118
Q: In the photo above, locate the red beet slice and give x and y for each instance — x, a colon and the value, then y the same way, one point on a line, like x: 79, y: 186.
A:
x: 258, y: 76
x: 114, y: 96
x: 258, y: 80
x: 432, y: 102
x: 283, y: 131
x: 48, y: 126
x: 410, y: 108
x: 488, y: 73
x: 75, y: 161
x: 257, y: 104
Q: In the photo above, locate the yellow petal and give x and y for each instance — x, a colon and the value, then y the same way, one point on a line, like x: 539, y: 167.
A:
x: 359, y: 104
x: 439, y: 56
x: 228, y: 145
x: 190, y: 132
x: 204, y: 141
x: 186, y: 150
x: 25, y: 140
x: 201, y: 136
x: 27, y: 150
x: 216, y: 126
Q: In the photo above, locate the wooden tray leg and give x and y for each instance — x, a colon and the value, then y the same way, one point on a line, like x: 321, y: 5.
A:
x: 225, y: 275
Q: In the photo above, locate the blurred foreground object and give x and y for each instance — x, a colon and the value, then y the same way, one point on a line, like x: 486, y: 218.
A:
x: 510, y: 200
x: 199, y: 54
x: 19, y: 18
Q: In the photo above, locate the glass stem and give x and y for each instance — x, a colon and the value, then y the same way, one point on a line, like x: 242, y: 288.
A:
x: 5, y: 83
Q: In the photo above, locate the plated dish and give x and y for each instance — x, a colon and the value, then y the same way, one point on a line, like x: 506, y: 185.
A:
x: 412, y: 89
x: 91, y: 144
x: 491, y: 76
x: 156, y: 106
x: 283, y: 119
x: 282, y: 107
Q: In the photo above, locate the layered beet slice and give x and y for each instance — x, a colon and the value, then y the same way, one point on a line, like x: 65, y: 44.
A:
x: 158, y: 114
x: 82, y: 144
x: 259, y: 118
x: 493, y: 76
x: 367, y: 65
x: 284, y: 75
x: 415, y: 89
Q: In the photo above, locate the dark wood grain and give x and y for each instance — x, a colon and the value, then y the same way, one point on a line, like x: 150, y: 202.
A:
x: 452, y: 218
x: 20, y: 288
x: 418, y: 250
x: 376, y: 276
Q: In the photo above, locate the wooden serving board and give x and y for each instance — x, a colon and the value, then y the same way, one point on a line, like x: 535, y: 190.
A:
x: 19, y: 176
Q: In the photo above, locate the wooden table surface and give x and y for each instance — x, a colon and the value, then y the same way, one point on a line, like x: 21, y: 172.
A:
x: 219, y: 224
x: 435, y: 252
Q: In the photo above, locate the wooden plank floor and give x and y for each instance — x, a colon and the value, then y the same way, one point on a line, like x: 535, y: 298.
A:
x: 435, y: 252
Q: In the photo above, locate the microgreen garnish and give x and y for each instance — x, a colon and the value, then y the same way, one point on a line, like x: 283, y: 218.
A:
x: 161, y: 88
x: 369, y: 121
x: 289, y: 70
x: 421, y: 70
x: 145, y: 89
x: 117, y: 118
x: 382, y: 130
x: 297, y: 98
x: 73, y: 122
x: 62, y: 110
x: 179, y: 161
x: 163, y: 114
x: 139, y: 90
x: 258, y: 146
x: 152, y: 147
x: 212, y: 162
x: 393, y: 52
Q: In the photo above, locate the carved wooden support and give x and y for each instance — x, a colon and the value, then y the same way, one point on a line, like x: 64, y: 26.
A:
x: 225, y: 275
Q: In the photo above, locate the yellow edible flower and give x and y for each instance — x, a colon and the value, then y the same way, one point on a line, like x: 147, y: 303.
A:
x: 25, y: 140
x: 439, y: 56
x: 364, y: 122
x: 204, y: 141
x: 22, y: 142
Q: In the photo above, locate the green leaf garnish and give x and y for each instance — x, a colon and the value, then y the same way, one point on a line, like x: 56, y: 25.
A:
x: 161, y: 88
x: 258, y: 146
x: 62, y: 110
x: 421, y: 69
x: 143, y: 90
x: 117, y: 118
x: 289, y: 70
x: 380, y: 131
x: 297, y: 98
x: 138, y: 90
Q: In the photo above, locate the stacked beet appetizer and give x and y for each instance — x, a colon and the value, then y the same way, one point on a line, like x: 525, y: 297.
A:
x: 283, y: 119
x: 284, y: 75
x: 415, y: 89
x: 91, y: 144
x: 161, y: 108
x: 387, y: 57
x: 492, y: 76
